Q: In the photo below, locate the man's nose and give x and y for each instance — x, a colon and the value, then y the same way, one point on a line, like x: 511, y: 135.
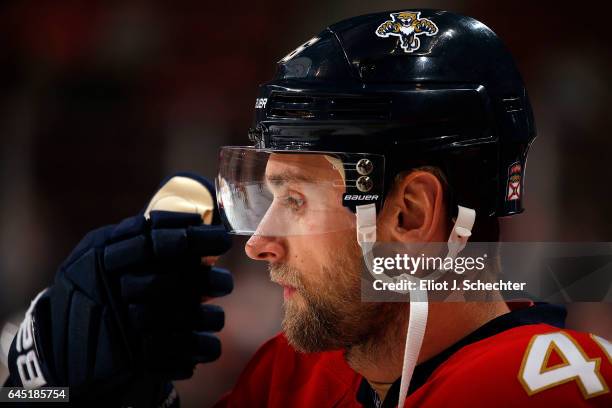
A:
x: 262, y: 248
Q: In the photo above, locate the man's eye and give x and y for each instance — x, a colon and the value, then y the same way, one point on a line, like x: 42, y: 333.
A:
x: 294, y: 202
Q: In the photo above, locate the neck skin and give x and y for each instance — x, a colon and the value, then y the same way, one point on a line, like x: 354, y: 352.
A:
x: 380, y: 359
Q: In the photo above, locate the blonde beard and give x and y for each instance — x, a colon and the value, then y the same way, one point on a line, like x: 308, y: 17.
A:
x: 331, y: 315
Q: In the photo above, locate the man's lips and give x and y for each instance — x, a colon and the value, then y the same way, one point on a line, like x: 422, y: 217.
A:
x: 288, y: 291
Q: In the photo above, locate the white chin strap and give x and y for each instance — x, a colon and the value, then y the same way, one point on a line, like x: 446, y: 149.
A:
x: 417, y: 321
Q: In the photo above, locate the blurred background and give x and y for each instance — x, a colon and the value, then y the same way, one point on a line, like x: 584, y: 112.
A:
x: 101, y: 99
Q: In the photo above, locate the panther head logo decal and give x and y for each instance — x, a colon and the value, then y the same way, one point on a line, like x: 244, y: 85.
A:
x: 407, y: 26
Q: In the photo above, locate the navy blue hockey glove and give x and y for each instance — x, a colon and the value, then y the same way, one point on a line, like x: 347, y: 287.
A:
x: 125, y: 312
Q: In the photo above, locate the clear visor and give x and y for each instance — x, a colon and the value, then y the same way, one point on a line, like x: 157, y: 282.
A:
x: 283, y: 193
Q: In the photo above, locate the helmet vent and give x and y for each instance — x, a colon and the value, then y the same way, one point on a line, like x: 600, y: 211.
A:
x: 329, y: 107
x: 512, y: 104
x: 360, y: 107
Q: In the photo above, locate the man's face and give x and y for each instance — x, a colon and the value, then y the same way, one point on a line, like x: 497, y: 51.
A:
x: 319, y: 271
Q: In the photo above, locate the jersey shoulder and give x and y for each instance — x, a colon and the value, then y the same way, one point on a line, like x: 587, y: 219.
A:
x: 532, y: 365
x: 278, y: 375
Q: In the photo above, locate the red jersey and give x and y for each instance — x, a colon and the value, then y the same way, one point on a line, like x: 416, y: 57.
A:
x: 529, y: 365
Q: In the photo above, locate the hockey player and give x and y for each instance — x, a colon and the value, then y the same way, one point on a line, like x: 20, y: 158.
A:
x: 406, y: 127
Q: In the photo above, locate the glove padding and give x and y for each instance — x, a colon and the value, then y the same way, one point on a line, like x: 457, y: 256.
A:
x: 126, y: 307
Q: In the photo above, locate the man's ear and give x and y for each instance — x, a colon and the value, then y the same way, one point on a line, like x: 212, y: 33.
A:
x: 414, y: 210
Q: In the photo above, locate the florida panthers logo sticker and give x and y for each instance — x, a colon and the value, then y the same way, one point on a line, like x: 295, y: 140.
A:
x: 407, y: 26
x: 515, y: 172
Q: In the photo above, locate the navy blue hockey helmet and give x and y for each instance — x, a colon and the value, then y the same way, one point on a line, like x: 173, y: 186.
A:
x: 394, y: 91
